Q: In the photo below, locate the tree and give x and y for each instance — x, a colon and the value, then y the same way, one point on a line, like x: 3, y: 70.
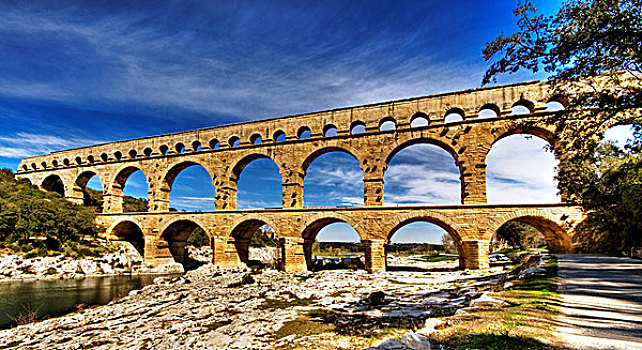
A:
x: 593, y: 53
x: 198, y: 238
x: 519, y: 235
x: 26, y: 213
x: 448, y: 243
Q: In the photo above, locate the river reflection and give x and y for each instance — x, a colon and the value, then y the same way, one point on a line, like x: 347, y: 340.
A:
x: 59, y: 297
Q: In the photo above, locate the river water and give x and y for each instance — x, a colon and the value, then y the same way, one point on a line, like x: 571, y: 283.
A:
x: 53, y: 298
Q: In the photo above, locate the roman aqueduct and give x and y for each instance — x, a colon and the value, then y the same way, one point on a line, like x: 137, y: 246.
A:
x: 293, y: 142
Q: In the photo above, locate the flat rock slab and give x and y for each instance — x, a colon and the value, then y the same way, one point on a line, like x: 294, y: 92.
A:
x: 601, y: 302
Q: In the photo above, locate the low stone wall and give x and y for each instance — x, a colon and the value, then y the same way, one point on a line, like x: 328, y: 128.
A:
x: 266, y: 255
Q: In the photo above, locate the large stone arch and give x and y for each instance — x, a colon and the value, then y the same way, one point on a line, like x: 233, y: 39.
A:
x: 539, y: 131
x: 421, y: 140
x: 175, y: 235
x: 242, y: 233
x: 114, y: 188
x: 239, y: 164
x: 128, y: 230
x: 522, y: 128
x: 312, y: 156
x: 311, y: 230
x: 123, y: 173
x: 54, y: 183
x: 174, y: 169
x: 162, y: 195
x: 316, y: 153
x: 438, y: 219
x: 554, y: 230
x: 80, y: 184
x: 251, y: 217
x: 429, y: 141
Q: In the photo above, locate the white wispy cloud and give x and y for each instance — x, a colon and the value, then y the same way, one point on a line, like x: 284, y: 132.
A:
x: 135, y: 61
x: 192, y: 203
x: 22, y: 144
x: 520, y: 170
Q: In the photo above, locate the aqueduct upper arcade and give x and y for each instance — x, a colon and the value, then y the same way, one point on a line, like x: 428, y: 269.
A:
x: 466, y: 124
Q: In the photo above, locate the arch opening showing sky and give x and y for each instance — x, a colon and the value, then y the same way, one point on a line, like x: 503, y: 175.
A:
x: 422, y: 174
x: 520, y: 170
x: 95, y: 184
x: 419, y: 232
x: 136, y: 185
x: 259, y: 185
x: 338, y: 232
x: 620, y: 135
x: 333, y: 179
x: 192, y: 190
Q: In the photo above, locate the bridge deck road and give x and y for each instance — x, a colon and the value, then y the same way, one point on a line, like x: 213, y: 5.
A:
x: 601, y: 302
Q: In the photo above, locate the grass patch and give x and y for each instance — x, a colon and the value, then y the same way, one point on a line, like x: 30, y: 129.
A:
x: 526, y: 319
x: 306, y: 325
x: 284, y: 304
x: 502, y: 341
x: 509, y: 251
x: 292, y: 301
x: 438, y: 258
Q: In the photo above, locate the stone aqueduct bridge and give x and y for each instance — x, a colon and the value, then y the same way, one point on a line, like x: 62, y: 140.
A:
x: 225, y: 150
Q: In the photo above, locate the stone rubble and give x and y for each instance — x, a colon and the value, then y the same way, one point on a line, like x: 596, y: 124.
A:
x: 214, y: 308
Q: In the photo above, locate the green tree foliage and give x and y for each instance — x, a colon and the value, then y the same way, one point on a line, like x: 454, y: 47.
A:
x: 613, y: 199
x: 336, y: 248
x: 94, y: 199
x: 593, y: 53
x: 26, y: 213
x: 519, y: 235
x: 131, y: 204
x: 198, y: 238
x: 449, y: 244
x: 409, y: 249
x: 264, y: 237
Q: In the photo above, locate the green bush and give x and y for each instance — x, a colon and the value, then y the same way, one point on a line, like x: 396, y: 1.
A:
x: 42, y: 251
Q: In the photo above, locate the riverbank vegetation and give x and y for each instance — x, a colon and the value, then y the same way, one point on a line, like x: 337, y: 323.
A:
x: 524, y: 322
x: 38, y: 223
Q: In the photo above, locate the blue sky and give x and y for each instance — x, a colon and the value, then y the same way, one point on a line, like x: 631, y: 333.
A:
x: 89, y: 72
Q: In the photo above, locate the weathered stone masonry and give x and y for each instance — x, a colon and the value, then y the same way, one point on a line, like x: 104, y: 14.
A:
x: 224, y: 151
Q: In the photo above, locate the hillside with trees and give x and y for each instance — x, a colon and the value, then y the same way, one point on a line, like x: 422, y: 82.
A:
x: 41, y: 223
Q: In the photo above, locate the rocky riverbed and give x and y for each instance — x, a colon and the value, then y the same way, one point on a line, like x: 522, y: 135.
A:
x: 212, y: 308
x: 125, y: 260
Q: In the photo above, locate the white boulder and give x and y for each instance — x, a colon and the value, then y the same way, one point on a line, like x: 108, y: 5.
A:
x: 88, y: 267
x: 486, y: 300
x: 392, y: 345
x: 415, y: 341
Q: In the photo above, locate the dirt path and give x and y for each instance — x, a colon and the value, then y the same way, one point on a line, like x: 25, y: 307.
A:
x: 601, y: 302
